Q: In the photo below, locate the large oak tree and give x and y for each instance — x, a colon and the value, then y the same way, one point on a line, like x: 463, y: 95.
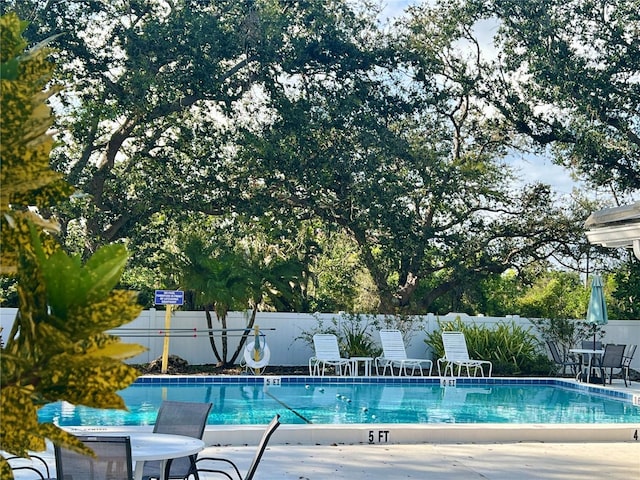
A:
x: 296, y: 110
x: 401, y: 156
x: 154, y: 89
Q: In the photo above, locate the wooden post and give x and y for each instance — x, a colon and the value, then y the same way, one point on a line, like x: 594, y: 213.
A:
x: 165, y: 347
x: 256, y: 350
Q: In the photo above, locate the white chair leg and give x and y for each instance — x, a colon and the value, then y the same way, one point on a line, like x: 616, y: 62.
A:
x: 312, y: 366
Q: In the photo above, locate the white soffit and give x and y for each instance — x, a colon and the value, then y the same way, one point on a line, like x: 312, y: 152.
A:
x: 606, y: 216
x: 616, y: 227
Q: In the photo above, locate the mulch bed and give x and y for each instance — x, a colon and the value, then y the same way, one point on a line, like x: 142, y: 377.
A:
x: 179, y: 366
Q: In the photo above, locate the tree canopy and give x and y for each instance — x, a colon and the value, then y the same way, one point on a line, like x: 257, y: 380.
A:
x: 566, y: 75
x: 283, y: 114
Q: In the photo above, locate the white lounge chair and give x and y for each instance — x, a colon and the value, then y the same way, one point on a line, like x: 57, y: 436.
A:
x: 457, y: 355
x: 395, y: 355
x: 327, y: 352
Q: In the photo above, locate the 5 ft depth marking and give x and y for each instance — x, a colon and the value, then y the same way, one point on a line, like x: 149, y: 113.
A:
x: 379, y: 436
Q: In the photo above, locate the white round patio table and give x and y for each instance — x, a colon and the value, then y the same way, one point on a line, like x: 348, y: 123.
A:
x: 148, y: 446
x: 595, y: 355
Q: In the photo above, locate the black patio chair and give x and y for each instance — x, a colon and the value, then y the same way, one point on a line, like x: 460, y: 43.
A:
x: 589, y: 345
x: 179, y: 418
x: 271, y: 428
x: 612, y: 359
x: 563, y: 361
x: 112, y: 460
x: 626, y: 363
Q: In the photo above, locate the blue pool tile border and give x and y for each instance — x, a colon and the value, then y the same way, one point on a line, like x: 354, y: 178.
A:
x: 259, y: 380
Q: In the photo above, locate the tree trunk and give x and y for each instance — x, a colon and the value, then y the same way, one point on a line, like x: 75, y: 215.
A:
x: 405, y: 292
x: 225, y: 345
x: 245, y: 335
x: 212, y: 339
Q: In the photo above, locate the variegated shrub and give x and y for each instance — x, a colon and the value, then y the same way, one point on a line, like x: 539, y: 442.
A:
x: 57, y: 348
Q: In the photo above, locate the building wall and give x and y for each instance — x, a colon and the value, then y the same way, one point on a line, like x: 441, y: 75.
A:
x: 189, y: 339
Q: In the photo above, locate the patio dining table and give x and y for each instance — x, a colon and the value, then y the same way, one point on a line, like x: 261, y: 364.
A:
x: 148, y: 446
x: 161, y: 446
x: 594, y: 357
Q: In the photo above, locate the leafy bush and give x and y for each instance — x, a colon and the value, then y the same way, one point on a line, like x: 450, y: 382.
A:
x: 353, y: 332
x: 512, y: 348
x: 409, y: 325
x: 57, y: 349
x: 566, y: 333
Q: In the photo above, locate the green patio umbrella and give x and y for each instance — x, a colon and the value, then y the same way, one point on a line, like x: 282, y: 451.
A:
x: 597, y: 310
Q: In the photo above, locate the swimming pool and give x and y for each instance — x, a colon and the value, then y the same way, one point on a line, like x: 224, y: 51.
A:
x: 346, y: 401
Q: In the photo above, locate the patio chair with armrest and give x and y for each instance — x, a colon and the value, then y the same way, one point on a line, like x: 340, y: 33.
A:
x: 178, y: 418
x: 612, y: 359
x: 457, y: 355
x: 266, y: 436
x: 394, y: 354
x: 327, y: 353
x: 626, y: 363
x: 112, y: 459
x: 590, y: 345
x: 563, y: 361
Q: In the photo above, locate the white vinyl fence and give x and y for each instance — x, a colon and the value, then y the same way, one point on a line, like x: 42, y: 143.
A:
x: 189, y: 339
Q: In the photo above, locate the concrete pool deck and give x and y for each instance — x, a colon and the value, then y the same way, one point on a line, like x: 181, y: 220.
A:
x: 505, y: 461
x: 485, y: 461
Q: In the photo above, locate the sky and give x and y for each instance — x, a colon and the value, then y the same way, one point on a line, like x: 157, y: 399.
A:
x: 530, y: 168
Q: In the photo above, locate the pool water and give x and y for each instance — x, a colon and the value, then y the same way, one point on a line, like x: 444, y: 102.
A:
x: 359, y: 403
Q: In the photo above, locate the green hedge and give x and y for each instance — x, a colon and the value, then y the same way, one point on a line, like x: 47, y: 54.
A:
x: 513, y: 349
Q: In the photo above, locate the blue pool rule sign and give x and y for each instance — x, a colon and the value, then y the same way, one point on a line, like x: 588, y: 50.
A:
x: 169, y: 297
